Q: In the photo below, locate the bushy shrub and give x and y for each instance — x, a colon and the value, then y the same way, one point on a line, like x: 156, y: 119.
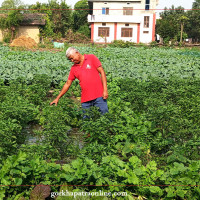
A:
x: 121, y: 44
x: 77, y: 37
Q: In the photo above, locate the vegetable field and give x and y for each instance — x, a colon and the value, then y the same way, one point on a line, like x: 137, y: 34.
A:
x: 147, y: 146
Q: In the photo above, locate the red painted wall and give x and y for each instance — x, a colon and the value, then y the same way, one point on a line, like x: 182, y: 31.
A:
x: 92, y: 31
x: 154, y: 27
x: 115, y: 31
x: 138, y: 33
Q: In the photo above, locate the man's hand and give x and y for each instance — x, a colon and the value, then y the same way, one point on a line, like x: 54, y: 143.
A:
x: 63, y: 91
x: 105, y: 94
x: 54, y: 101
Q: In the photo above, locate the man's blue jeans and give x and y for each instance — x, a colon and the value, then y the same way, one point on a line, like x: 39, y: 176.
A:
x: 98, y: 102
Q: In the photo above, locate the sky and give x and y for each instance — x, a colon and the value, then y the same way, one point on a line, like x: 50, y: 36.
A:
x: 187, y: 4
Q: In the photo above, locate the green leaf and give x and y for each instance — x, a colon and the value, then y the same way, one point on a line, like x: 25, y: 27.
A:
x: 89, y: 161
x: 170, y: 192
x: 180, y: 166
x: 5, y: 182
x: 152, y: 165
x: 99, y: 182
x: 174, y: 171
x: 68, y: 178
x: 26, y: 169
x: 140, y: 171
x: 2, y: 194
x: 67, y: 168
x: 133, y: 179
x: 18, y: 181
x: 181, y: 193
x: 122, y: 173
x: 76, y: 163
x: 106, y: 159
x: 135, y: 161
x: 15, y: 171
x: 17, y: 197
x: 155, y: 189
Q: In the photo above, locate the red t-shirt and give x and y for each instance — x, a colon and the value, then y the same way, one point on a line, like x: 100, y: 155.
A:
x: 89, y: 78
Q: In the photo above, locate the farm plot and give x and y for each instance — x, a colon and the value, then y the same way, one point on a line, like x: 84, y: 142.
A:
x: 147, y: 146
x: 137, y: 63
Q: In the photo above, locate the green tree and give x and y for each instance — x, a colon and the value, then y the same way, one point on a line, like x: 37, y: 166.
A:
x: 182, y: 20
x: 171, y: 24
x: 80, y: 23
x: 47, y: 30
x: 61, y: 16
x: 85, y: 30
x: 10, y: 22
x: 193, y: 24
x: 58, y: 17
x: 11, y: 4
x: 166, y: 28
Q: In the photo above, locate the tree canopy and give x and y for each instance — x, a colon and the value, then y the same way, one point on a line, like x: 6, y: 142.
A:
x: 79, y: 17
x: 58, y: 17
x: 193, y: 25
x: 169, y: 26
x: 11, y: 4
x: 175, y: 23
x: 9, y: 23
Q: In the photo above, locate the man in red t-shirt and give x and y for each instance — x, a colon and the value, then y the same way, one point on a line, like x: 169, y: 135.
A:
x: 87, y: 69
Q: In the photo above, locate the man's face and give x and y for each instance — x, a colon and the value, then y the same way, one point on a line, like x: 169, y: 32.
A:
x: 75, y: 57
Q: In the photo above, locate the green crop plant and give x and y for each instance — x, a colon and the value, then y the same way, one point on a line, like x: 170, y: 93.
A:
x: 147, y: 145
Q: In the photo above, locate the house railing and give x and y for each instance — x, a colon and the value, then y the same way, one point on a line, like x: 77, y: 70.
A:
x: 114, y: 18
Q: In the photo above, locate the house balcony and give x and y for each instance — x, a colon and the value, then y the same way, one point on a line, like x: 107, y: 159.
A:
x: 114, y: 18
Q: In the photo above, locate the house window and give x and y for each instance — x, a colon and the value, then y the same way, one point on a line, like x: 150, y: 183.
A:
x: 103, y: 24
x: 126, y: 24
x: 145, y: 32
x: 147, y: 4
x: 146, y: 21
x: 103, y: 31
x: 105, y: 11
x: 126, y: 32
x: 127, y: 10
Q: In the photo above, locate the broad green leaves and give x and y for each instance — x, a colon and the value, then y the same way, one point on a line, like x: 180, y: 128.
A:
x: 137, y: 63
x: 149, y: 139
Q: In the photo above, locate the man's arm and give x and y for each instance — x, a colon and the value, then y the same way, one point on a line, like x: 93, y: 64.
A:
x: 63, y: 91
x: 104, y: 81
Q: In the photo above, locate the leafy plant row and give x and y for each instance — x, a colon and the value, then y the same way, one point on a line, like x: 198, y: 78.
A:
x: 127, y: 145
x: 139, y: 63
x: 149, y: 139
x: 177, y: 181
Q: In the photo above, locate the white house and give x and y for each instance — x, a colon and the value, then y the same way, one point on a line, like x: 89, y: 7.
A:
x: 132, y: 20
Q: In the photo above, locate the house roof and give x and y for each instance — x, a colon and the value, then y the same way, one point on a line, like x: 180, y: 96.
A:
x: 31, y: 19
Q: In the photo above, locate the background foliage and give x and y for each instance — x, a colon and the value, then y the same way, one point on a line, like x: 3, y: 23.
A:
x: 169, y: 24
x: 60, y: 18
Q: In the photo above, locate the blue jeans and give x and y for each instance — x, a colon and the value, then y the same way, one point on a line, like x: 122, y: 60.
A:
x: 98, y: 102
